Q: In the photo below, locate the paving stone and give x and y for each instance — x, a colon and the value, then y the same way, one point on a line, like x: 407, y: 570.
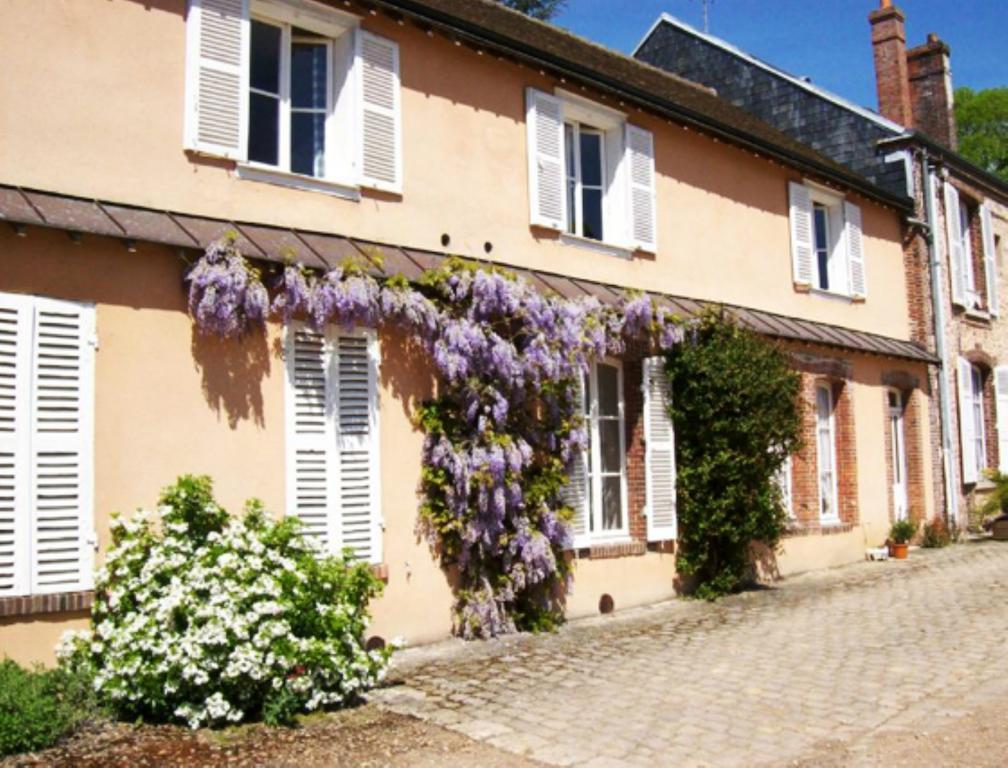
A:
x: 762, y: 677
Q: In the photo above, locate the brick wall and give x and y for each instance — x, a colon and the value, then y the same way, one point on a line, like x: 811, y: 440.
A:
x: 634, y: 417
x: 805, y: 464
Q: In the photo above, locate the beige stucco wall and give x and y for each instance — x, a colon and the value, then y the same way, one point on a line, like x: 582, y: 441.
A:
x: 104, y: 119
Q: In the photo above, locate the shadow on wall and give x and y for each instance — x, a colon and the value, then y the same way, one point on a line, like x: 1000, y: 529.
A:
x: 232, y: 373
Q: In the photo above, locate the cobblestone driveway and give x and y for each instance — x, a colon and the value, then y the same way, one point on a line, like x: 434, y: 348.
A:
x: 766, y: 677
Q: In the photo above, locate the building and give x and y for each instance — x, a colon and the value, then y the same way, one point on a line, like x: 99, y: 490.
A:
x: 149, y: 129
x: 953, y: 240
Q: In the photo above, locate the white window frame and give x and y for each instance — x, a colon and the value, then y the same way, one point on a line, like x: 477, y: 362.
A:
x: 579, y: 186
x: 830, y: 427
x: 898, y: 452
x: 596, y: 534
x: 338, y: 29
x: 969, y: 269
x: 977, y: 414
x: 784, y: 478
x: 838, y: 267
x: 616, y: 214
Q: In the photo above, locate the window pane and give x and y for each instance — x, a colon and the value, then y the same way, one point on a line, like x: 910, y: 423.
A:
x: 308, y: 76
x: 569, y: 151
x: 591, y: 159
x: 571, y: 207
x: 609, y: 440
x: 571, y: 178
x: 612, y: 514
x: 264, y: 74
x: 264, y: 124
x: 608, y: 389
x: 308, y: 143
x: 592, y: 213
x: 820, y: 220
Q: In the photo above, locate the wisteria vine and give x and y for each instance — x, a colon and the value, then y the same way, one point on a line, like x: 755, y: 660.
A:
x: 506, y: 420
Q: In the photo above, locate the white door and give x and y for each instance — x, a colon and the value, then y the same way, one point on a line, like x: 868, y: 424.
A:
x: 897, y: 452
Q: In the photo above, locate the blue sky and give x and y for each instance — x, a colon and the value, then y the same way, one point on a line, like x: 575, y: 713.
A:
x: 827, y: 40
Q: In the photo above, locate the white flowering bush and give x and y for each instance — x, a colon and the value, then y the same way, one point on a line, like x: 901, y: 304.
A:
x: 210, y: 619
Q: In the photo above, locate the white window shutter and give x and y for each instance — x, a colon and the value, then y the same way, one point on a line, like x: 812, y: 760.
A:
x: 380, y: 118
x: 62, y: 447
x: 1001, y: 390
x: 855, y: 251
x: 966, y: 436
x: 990, y: 260
x: 217, y: 56
x: 640, y: 159
x: 576, y: 494
x: 544, y: 124
x: 359, y: 486
x: 659, y: 452
x: 311, y: 434
x: 802, y: 233
x: 16, y: 320
x: 957, y: 271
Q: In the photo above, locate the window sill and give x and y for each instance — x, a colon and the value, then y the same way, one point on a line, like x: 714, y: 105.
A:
x: 596, y: 245
x: 796, y: 528
x: 846, y: 298
x: 268, y: 175
x: 35, y: 605
x: 611, y: 548
x: 978, y: 315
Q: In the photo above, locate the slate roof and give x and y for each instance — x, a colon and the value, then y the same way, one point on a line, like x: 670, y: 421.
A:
x: 21, y: 207
x: 843, y: 131
x: 487, y: 24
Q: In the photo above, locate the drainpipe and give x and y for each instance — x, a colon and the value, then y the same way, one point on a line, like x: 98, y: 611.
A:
x: 938, y: 310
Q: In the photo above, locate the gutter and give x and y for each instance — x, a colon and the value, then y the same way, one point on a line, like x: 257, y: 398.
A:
x: 949, y: 157
x: 484, y: 36
x: 938, y: 311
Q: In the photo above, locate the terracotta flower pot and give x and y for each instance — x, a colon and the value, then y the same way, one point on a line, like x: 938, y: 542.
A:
x: 898, y: 551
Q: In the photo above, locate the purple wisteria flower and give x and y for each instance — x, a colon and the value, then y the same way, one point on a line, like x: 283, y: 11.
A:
x: 226, y: 296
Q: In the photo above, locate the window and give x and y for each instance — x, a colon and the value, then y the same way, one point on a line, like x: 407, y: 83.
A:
x: 977, y: 415
x: 826, y: 242
x: 826, y: 455
x: 295, y: 93
x: 966, y: 239
x: 783, y: 480
x: 333, y: 474
x: 585, y: 152
x: 290, y: 98
x: 820, y: 221
x: 597, y: 486
x: 591, y: 174
x: 897, y: 454
x: 47, y: 534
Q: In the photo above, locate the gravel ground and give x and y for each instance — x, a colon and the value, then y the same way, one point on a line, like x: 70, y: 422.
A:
x: 365, y: 737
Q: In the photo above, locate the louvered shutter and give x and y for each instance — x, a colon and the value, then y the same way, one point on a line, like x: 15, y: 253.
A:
x: 16, y: 318
x: 967, y: 440
x: 380, y: 158
x: 217, y: 55
x: 1001, y: 390
x: 659, y: 453
x: 855, y: 251
x: 802, y: 235
x: 936, y: 239
x: 62, y: 428
x: 359, y: 490
x: 576, y: 494
x: 641, y: 163
x: 544, y: 124
x: 990, y: 260
x: 953, y: 223
x: 311, y: 434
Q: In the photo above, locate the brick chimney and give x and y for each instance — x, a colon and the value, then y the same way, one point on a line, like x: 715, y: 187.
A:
x: 931, y: 91
x: 914, y: 87
x: 892, y: 81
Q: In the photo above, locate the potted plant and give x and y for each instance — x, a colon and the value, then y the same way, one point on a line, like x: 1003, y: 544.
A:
x: 899, y: 537
x: 995, y: 504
